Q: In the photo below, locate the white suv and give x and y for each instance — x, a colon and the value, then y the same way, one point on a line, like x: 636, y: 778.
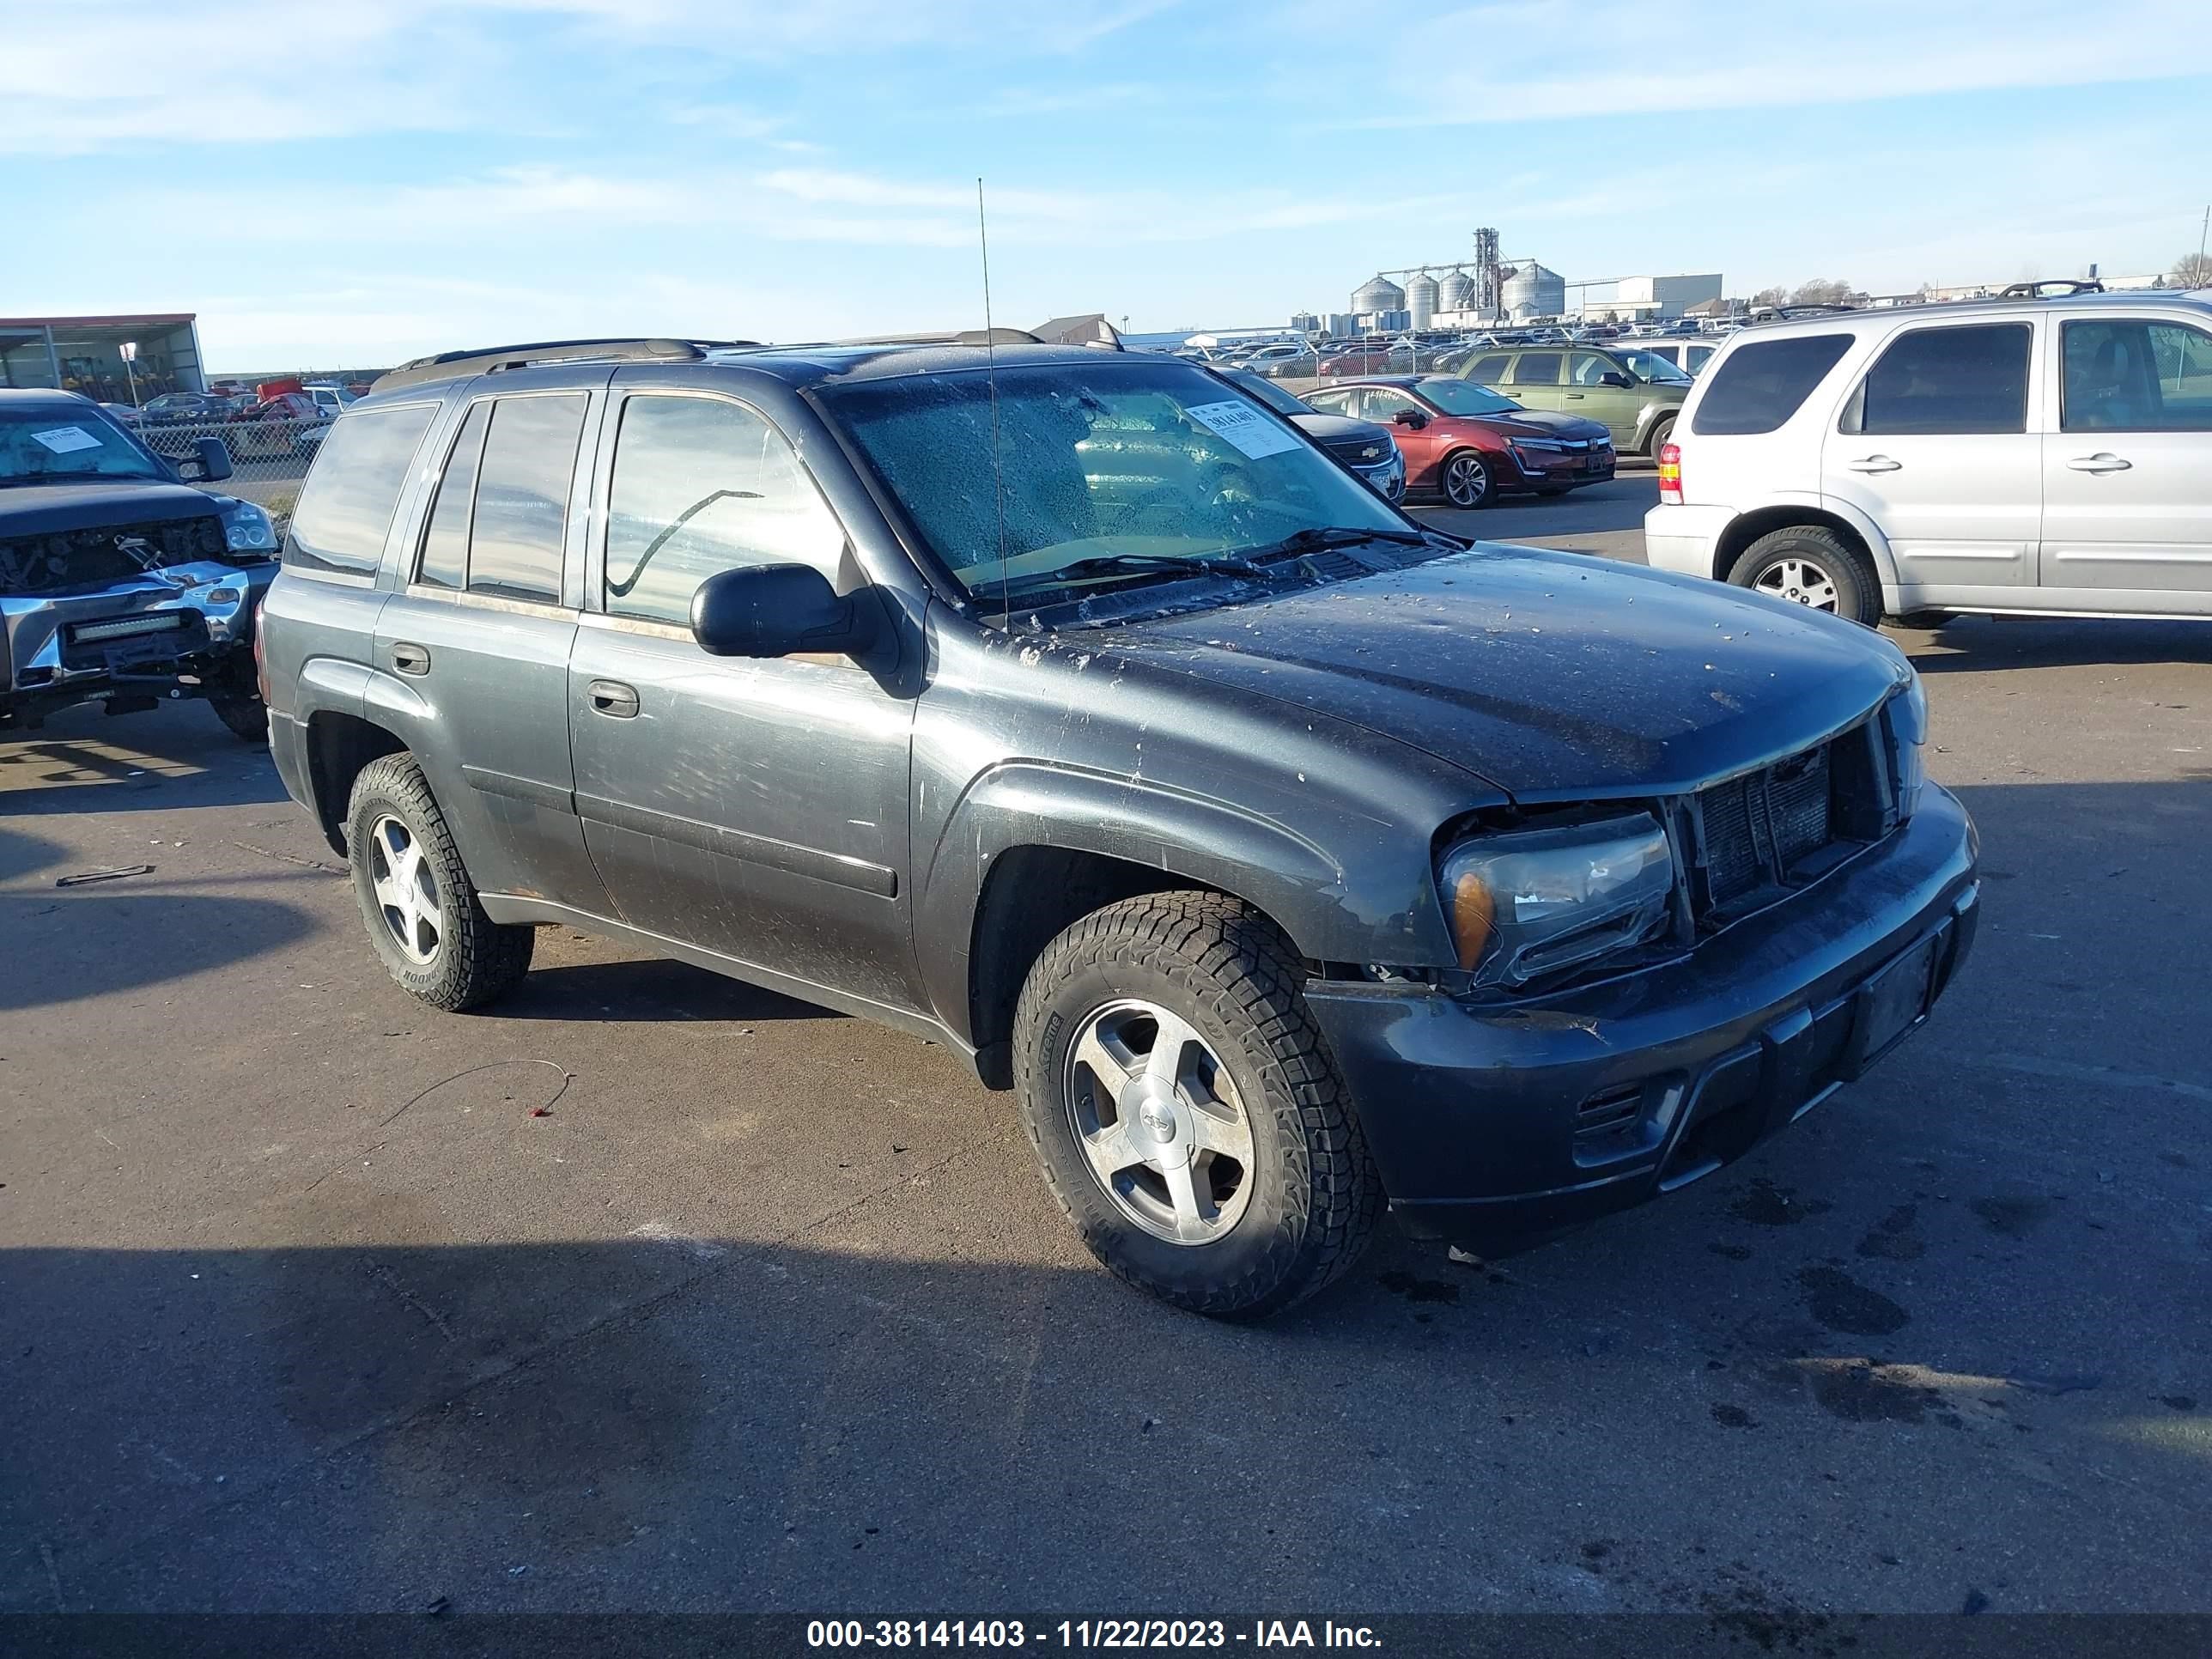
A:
x: 2024, y: 458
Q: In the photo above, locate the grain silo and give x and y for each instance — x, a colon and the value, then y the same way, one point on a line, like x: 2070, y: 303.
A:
x: 1535, y: 291
x: 1421, y: 299
x: 1379, y: 294
x: 1456, y: 292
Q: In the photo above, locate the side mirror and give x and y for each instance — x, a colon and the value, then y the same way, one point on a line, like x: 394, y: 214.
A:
x: 1613, y: 377
x: 773, y: 611
x: 1412, y: 417
x: 212, y: 459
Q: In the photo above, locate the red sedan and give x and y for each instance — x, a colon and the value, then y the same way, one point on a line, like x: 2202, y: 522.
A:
x: 1469, y: 444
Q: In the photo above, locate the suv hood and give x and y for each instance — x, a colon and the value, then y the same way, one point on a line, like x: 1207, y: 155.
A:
x: 35, y: 509
x: 1551, y: 675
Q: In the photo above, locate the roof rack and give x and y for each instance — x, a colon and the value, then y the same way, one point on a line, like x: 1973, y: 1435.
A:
x: 2051, y: 287
x: 457, y: 365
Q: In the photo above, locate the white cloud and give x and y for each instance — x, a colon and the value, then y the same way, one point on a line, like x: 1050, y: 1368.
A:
x: 1533, y: 60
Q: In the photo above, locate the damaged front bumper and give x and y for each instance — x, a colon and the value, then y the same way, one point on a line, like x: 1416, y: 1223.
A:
x: 177, y: 631
x: 1494, y: 1124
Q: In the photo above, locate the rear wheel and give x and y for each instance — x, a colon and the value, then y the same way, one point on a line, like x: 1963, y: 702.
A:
x: 416, y: 896
x: 1184, y: 1109
x: 1813, y: 566
x: 1466, y: 480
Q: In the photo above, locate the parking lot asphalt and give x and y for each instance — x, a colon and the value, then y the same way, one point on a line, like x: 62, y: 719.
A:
x: 305, y: 1306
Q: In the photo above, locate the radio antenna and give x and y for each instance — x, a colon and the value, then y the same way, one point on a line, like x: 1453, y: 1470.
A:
x: 991, y: 374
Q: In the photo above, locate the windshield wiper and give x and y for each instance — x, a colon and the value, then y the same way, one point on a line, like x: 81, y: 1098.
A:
x: 1111, y: 564
x: 1316, y: 538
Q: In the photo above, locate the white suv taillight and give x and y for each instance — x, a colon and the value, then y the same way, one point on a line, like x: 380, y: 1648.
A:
x: 1670, y: 474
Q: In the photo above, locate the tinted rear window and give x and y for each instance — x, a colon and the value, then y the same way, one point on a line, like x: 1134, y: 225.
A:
x: 1947, y: 380
x: 347, y: 506
x: 1760, y: 385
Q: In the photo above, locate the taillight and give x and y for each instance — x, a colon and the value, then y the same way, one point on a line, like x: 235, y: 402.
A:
x: 260, y: 665
x: 1670, y: 474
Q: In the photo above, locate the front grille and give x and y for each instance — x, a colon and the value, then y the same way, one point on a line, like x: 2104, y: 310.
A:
x: 1355, y: 451
x: 1755, y: 828
x: 112, y: 553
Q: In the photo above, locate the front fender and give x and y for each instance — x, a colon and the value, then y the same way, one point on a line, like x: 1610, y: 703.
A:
x: 1356, y: 906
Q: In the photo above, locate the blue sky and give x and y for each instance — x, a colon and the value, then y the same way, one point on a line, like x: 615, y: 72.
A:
x: 357, y: 181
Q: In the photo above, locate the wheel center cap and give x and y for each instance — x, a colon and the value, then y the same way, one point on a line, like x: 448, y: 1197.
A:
x: 1159, y: 1121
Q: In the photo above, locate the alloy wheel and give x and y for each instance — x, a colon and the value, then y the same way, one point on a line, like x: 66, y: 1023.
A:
x: 406, y: 890
x: 1160, y: 1122
x: 1466, y: 481
x: 1799, y: 580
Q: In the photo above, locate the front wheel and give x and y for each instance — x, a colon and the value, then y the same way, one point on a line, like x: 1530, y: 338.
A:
x: 1661, y: 430
x: 1466, y: 480
x: 416, y: 896
x: 246, y: 714
x: 1813, y: 566
x: 1185, y: 1111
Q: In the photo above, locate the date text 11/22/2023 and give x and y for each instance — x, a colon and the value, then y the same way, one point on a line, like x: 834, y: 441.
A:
x: 1085, y: 1633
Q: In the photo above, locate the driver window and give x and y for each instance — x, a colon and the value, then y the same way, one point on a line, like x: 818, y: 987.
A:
x: 702, y: 485
x: 1588, y: 368
x: 1385, y: 407
x: 2131, y: 376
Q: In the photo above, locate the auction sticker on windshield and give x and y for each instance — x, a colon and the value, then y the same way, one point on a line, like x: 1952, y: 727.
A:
x: 1243, y: 425
x: 64, y: 439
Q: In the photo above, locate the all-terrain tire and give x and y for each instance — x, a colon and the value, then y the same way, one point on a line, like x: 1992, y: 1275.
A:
x: 1222, y: 966
x: 477, y: 960
x: 1815, y: 547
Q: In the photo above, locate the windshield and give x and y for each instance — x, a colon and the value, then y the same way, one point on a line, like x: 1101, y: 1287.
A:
x: 1456, y: 397
x: 1115, y: 457
x: 1654, y: 369
x: 1267, y: 392
x: 60, y: 443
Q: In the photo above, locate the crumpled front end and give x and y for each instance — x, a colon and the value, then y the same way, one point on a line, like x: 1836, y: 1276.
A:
x: 171, y: 631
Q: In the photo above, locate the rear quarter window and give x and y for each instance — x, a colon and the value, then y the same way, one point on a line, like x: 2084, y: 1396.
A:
x: 1762, y: 383
x: 353, y: 490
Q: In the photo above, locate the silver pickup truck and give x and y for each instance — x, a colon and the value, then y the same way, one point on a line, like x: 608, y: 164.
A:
x: 119, y: 582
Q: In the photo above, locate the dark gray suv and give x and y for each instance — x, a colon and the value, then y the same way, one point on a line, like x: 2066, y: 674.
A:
x: 1073, y: 710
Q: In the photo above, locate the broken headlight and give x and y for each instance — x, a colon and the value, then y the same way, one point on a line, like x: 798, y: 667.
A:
x: 1529, y: 904
x: 246, y: 528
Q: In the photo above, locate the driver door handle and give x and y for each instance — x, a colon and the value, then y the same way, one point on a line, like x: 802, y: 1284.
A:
x: 2102, y: 461
x: 613, y: 699
x: 1875, y: 463
x: 411, y: 658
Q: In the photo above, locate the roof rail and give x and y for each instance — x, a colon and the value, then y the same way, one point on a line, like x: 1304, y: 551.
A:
x: 966, y: 336
x: 459, y: 364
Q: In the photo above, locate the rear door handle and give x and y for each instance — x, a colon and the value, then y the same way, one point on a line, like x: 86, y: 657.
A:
x: 2103, y: 461
x: 411, y: 658
x: 613, y: 699
x: 1577, y: 397
x: 1875, y: 463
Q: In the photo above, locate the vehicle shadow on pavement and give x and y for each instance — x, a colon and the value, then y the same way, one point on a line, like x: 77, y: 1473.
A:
x: 645, y: 989
x: 352, y: 1418
x: 71, y: 945
x: 1973, y: 644
x: 133, y: 764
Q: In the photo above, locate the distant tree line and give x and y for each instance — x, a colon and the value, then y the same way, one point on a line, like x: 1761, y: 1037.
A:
x: 1820, y: 291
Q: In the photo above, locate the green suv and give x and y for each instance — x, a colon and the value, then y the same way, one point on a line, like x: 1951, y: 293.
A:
x: 1634, y: 393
